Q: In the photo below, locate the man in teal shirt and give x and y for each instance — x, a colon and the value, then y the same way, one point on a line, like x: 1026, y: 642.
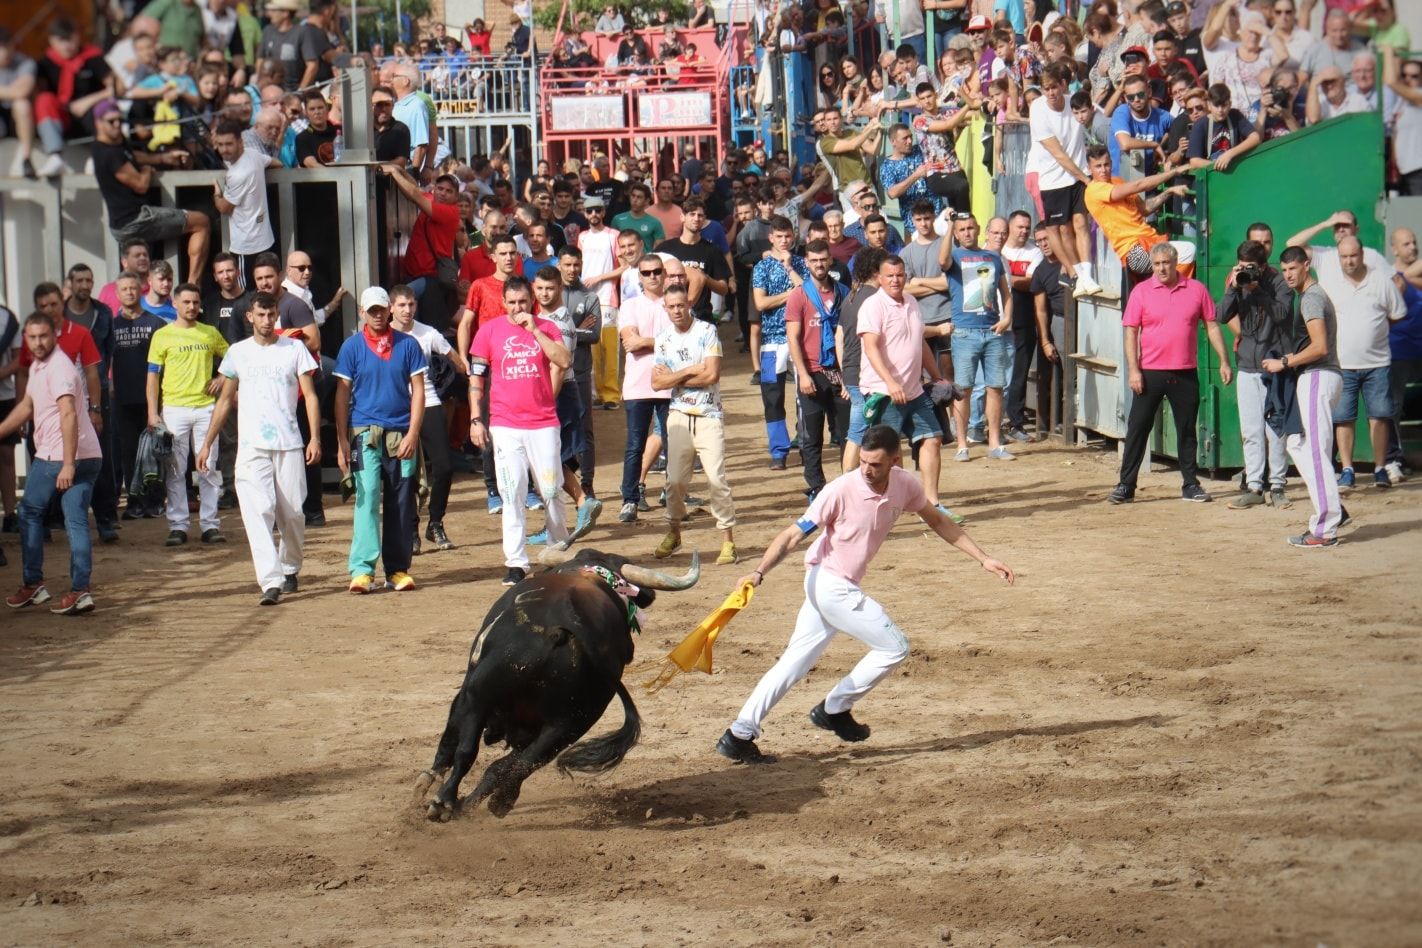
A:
x: 648, y: 227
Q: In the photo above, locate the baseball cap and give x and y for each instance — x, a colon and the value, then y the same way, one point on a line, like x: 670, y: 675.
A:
x: 592, y: 200
x: 373, y: 295
x: 1176, y: 8
x: 288, y: 5
x: 105, y: 107
x: 978, y: 23
x: 1135, y: 51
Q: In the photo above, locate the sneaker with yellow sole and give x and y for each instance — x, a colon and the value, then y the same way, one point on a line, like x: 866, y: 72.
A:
x: 361, y: 583
x: 400, y: 581
x: 669, y: 545
x: 728, y: 554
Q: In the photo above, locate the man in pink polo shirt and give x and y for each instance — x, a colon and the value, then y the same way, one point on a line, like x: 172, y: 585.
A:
x: 1161, y: 323
x: 856, y: 511
x: 514, y: 356
x: 892, y: 364
x: 67, y: 460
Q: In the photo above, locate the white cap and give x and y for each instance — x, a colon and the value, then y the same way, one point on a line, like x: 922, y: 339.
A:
x: 374, y: 296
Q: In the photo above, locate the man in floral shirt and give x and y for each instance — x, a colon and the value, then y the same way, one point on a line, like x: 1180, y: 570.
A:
x: 774, y: 278
x: 902, y: 175
x: 937, y: 131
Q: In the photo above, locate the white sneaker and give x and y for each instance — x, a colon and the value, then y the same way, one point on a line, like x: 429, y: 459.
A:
x: 1394, y: 471
x: 53, y: 167
x: 1085, y: 287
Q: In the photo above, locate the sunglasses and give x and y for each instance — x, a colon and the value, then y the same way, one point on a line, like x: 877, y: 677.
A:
x: 1415, y: 74
x: 1192, y: 109
x: 301, y: 266
x: 652, y: 273
x: 1137, y: 96
x: 871, y: 207
x: 1284, y: 11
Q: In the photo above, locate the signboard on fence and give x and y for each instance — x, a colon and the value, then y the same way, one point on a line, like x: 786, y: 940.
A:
x: 579, y: 113
x: 674, y: 109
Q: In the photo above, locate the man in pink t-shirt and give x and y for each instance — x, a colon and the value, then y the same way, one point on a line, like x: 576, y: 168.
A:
x: 1162, y: 319
x: 514, y: 357
x: 639, y: 322
x: 892, y: 363
x: 67, y: 461
x: 856, y: 511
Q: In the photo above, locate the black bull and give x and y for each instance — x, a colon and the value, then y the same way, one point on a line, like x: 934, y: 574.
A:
x: 553, y: 654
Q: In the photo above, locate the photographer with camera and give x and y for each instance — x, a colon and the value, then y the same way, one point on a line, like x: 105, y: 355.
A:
x: 1280, y: 109
x: 1257, y: 307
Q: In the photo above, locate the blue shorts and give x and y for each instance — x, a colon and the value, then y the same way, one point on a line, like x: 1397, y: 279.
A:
x: 974, y: 348
x: 915, y: 418
x: 1373, y: 384
x: 857, y: 424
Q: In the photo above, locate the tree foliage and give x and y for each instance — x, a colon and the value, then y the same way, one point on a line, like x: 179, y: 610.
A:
x: 546, y: 13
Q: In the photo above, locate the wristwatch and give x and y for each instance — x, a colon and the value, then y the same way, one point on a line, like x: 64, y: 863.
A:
x: 1285, y: 360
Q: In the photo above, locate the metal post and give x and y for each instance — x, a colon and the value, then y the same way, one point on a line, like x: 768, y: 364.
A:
x: 355, y: 28
x: 359, y: 131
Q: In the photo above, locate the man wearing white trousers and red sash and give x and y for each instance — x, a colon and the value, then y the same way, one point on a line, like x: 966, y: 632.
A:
x: 856, y: 511
x: 270, y: 470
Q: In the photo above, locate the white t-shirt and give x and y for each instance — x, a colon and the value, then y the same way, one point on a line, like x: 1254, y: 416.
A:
x: 680, y: 350
x: 630, y: 285
x: 267, y: 396
x: 599, y: 257
x: 431, y: 340
x: 1068, y: 132
x: 1364, y: 311
x: 9, y: 353
x: 246, y: 187
x: 1241, y: 77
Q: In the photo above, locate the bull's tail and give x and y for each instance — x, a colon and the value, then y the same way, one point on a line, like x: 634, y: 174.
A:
x: 601, y: 754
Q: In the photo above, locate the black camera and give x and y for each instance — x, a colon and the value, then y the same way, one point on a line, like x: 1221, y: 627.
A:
x: 1248, y: 275
x: 1280, y: 97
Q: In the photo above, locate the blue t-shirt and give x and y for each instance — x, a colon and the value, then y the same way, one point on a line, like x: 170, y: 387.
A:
x: 1152, y: 128
x: 165, y: 311
x: 975, y: 302
x: 770, y: 277
x: 531, y: 266
x: 380, y: 388
x: 1404, y: 337
x: 1016, y: 14
x: 716, y: 235
x: 895, y: 171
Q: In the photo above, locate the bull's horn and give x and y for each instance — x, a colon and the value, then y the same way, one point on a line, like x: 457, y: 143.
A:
x: 552, y: 556
x: 656, y: 579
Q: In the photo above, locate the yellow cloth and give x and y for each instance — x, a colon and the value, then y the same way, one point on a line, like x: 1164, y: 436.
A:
x: 166, y: 130
x: 695, y: 650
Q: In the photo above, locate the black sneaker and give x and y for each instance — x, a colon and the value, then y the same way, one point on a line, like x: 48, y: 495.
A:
x: 316, y: 520
x: 1345, y: 519
x: 1122, y: 495
x: 108, y: 533
x: 270, y: 597
x: 843, y: 724
x: 1195, y: 494
x: 213, y: 536
x: 514, y: 576
x: 289, y: 584
x: 133, y: 512
x: 436, y: 535
x: 741, y: 750
x: 628, y: 514
x: 227, y: 501
x: 176, y: 538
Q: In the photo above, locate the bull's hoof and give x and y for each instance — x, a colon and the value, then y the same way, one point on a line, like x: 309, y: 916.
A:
x: 501, y: 803
x: 424, y: 781
x: 441, y: 812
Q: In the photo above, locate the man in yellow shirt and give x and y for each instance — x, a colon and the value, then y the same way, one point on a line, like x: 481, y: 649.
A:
x: 1121, y: 212
x: 182, y: 378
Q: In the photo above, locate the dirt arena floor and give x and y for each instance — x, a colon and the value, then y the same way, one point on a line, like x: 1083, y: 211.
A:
x: 1174, y: 730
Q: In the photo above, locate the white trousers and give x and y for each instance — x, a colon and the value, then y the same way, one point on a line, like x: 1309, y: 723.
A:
x: 1312, y: 451
x: 189, y: 428
x: 516, y: 451
x: 1261, y: 445
x: 271, y: 487
x: 687, y: 437
x: 832, y: 604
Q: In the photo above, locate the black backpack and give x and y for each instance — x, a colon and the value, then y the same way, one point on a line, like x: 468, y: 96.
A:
x: 449, y: 383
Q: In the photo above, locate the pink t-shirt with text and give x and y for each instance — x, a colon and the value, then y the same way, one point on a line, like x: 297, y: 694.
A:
x: 49, y: 381
x: 855, y: 520
x: 520, y: 376
x: 1167, y: 317
x: 648, y: 318
x: 900, y: 325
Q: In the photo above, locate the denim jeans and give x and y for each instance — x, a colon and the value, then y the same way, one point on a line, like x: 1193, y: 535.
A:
x: 39, y: 491
x: 640, y: 412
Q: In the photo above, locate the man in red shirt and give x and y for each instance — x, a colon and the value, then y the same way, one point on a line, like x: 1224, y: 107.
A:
x: 70, y: 338
x: 1161, y: 322
x: 477, y: 263
x: 430, y: 265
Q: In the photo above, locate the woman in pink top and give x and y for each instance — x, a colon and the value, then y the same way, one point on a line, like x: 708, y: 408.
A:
x: 67, y: 460
x: 856, y: 512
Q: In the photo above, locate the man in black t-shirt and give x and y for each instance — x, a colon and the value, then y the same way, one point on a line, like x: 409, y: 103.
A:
x: 1192, y: 48
x: 564, y: 215
x: 632, y: 47
x: 316, y: 146
x: 392, y: 137
x: 698, y: 254
x: 225, y: 306
x: 125, y: 179
x: 133, y: 329
x: 1049, y: 299
x: 317, y: 49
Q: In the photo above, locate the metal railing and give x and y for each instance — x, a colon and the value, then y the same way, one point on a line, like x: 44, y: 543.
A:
x: 494, y: 88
